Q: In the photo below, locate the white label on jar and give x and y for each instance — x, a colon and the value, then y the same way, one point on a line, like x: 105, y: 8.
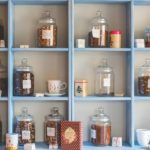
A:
x: 96, y: 33
x: 106, y: 82
x: 93, y: 134
x: 50, y: 131
x: 26, y: 84
x: 148, y: 83
x: 47, y: 34
x: 25, y: 135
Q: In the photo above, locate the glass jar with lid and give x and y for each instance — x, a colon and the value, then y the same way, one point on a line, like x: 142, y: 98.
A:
x: 47, y: 31
x: 25, y: 127
x: 23, y: 79
x: 98, y: 36
x: 3, y: 80
x: 101, y: 128
x: 144, y: 78
x: 52, y: 128
x: 104, y: 83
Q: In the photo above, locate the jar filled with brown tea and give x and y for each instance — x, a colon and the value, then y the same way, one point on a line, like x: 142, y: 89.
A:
x: 52, y: 128
x: 144, y: 78
x: 23, y: 79
x: 25, y: 127
x: 47, y: 31
x: 100, y: 129
x: 98, y: 36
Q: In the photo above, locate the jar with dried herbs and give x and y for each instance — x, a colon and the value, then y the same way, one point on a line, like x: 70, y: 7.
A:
x: 52, y: 128
x: 25, y: 127
x: 47, y: 31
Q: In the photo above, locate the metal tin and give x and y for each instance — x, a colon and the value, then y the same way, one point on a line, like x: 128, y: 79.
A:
x: 11, y: 141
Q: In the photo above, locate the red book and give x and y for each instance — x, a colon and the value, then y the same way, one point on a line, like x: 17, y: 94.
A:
x: 71, y: 135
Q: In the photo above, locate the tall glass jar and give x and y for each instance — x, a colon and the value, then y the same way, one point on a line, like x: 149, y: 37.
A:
x: 100, y: 129
x: 52, y: 128
x: 104, y: 83
x: 23, y: 79
x: 25, y: 127
x: 3, y: 80
x: 98, y: 36
x: 144, y: 78
x: 47, y: 31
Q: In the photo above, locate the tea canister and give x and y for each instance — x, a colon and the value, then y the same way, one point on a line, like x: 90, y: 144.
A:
x: 81, y: 87
x: 11, y: 141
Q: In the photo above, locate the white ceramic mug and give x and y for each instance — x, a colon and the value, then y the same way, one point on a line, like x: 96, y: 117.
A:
x: 56, y: 86
x: 143, y: 137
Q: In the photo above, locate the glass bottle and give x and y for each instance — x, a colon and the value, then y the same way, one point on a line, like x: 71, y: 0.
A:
x: 144, y: 78
x: 52, y: 128
x: 25, y: 127
x: 3, y: 80
x: 100, y: 128
x: 47, y: 31
x: 104, y: 83
x: 98, y: 36
x: 23, y: 79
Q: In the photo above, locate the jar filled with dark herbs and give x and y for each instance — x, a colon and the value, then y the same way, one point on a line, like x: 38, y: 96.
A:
x: 98, y: 36
x: 3, y: 80
x: 144, y: 78
x: 100, y: 129
x: 52, y: 128
x: 47, y: 31
x: 25, y: 127
x: 23, y: 80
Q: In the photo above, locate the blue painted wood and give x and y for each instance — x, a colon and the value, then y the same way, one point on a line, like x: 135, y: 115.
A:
x: 3, y: 98
x: 102, y: 1
x: 3, y: 1
x: 141, y: 49
x: 142, y: 98
x: 141, y: 2
x: 3, y: 49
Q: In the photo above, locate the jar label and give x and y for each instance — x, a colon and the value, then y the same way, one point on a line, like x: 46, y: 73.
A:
x: 106, y: 82
x: 50, y: 131
x: 148, y: 83
x: 25, y: 135
x: 96, y: 33
x: 93, y: 134
x: 47, y: 34
x: 26, y: 84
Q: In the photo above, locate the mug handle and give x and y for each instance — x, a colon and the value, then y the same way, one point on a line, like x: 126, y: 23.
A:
x: 63, y: 86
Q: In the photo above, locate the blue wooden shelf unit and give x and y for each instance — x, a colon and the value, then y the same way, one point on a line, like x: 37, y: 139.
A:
x: 78, y: 62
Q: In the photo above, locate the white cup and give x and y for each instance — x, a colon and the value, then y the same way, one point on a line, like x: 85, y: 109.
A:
x: 143, y: 137
x: 56, y: 86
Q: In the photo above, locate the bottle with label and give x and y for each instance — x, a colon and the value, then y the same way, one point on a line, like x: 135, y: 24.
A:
x: 23, y: 80
x: 98, y: 36
x: 100, y: 129
x: 104, y: 82
x: 52, y: 128
x: 144, y: 78
x: 47, y: 31
x: 25, y: 127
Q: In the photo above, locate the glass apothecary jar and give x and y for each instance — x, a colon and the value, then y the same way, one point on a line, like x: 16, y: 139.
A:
x: 3, y: 80
x: 23, y: 79
x: 47, y: 31
x: 104, y: 83
x: 25, y: 127
x: 98, y: 36
x: 100, y: 128
x: 144, y: 78
x: 52, y: 128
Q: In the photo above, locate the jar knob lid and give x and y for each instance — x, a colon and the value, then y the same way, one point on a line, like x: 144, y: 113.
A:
x: 104, y: 62
x: 147, y: 61
x: 55, y: 111
x: 24, y: 111
x: 100, y: 110
x: 24, y: 61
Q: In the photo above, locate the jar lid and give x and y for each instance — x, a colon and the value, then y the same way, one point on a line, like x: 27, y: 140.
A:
x: 24, y: 115
x: 24, y: 66
x: 115, y: 32
x: 2, y: 67
x: 55, y: 115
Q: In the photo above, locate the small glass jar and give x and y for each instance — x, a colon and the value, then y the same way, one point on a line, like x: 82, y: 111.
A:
x: 23, y: 80
x: 3, y: 80
x: 25, y: 127
x: 100, y: 129
x: 52, y: 128
x: 104, y: 83
x: 144, y: 78
x: 47, y: 31
x: 98, y: 36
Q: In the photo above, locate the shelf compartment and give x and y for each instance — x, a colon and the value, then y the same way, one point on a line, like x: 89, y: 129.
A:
x: 3, y: 49
x: 3, y: 98
x: 96, y: 98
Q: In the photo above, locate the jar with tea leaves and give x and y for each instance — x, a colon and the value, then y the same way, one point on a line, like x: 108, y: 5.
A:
x: 144, y: 78
x: 47, y: 31
x: 52, y: 128
x: 100, y: 128
x: 25, y: 127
